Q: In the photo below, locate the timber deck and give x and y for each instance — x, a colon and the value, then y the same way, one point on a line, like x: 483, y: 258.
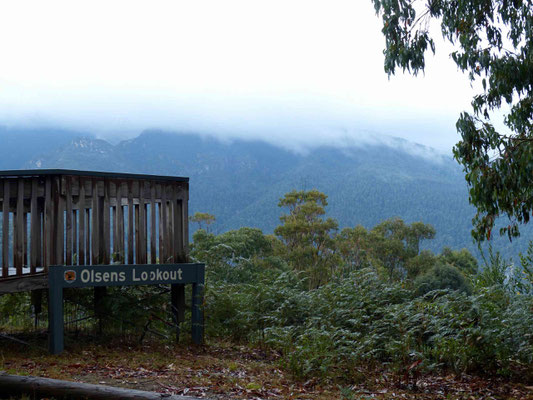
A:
x: 79, y: 218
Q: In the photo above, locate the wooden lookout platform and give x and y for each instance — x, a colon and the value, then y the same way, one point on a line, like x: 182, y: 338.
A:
x: 80, y: 220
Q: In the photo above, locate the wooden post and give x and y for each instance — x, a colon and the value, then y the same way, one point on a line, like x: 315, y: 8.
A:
x: 35, y: 231
x: 55, y: 313
x: 106, y: 226
x: 153, y: 232
x: 163, y: 220
x: 35, y: 245
x: 59, y: 202
x: 95, y: 225
x: 18, y: 233
x: 137, y: 235
x: 130, y: 223
x: 75, y: 246
x: 114, y: 229
x: 185, y: 223
x: 177, y: 295
x: 81, y: 213
x: 171, y: 228
x: 119, y: 224
x: 84, y: 249
x: 179, y: 253
x: 88, y: 238
x: 37, y: 303
x: 142, y: 225
x: 69, y: 230
x: 25, y: 260
x: 5, y: 230
x: 197, y: 317
x: 48, y: 223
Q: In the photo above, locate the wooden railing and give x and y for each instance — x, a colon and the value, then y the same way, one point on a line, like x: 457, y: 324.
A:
x: 61, y: 217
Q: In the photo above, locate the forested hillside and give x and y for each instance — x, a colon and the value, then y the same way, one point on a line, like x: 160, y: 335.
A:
x: 240, y: 182
x: 352, y: 309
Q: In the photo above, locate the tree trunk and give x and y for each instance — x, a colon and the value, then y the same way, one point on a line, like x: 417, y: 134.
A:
x: 13, y: 385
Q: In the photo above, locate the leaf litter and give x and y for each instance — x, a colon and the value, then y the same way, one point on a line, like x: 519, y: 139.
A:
x: 223, y: 370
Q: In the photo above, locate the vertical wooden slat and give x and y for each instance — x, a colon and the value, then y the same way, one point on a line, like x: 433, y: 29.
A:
x: 146, y: 230
x: 75, y: 246
x: 19, y: 228
x: 47, y: 223
x: 35, y: 230
x: 163, y: 246
x: 68, y: 200
x: 137, y: 236
x: 5, y: 230
x: 119, y: 225
x: 95, y: 240
x: 123, y: 236
x: 160, y: 232
x: 114, y: 209
x: 142, y: 224
x: 170, y: 225
x: 25, y: 241
x: 178, y: 228
x: 88, y: 237
x: 60, y: 222
x: 114, y: 230
x: 106, y: 243
x: 185, y: 222
x: 153, y: 233
x: 130, y: 223
x: 13, y: 229
x: 81, y: 223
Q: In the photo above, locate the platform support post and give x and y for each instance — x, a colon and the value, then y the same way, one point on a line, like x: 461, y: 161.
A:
x: 197, y: 313
x: 177, y: 301
x: 55, y: 314
x: 36, y: 305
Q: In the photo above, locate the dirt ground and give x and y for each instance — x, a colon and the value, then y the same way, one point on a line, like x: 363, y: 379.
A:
x: 227, y: 371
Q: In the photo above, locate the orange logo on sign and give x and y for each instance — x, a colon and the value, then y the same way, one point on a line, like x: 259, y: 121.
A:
x: 70, y: 276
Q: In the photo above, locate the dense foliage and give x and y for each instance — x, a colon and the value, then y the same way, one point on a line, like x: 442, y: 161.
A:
x: 336, y: 303
x: 493, y: 42
x: 381, y: 302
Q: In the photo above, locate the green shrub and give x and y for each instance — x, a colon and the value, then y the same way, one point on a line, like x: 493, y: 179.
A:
x: 441, y: 276
x: 361, y: 320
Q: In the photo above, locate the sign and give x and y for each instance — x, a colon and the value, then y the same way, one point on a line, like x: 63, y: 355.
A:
x: 126, y: 275
x: 60, y: 277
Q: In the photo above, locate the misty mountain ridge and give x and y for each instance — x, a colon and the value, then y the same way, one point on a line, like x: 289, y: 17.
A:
x: 241, y: 181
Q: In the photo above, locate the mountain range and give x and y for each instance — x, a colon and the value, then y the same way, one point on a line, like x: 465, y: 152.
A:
x: 241, y: 182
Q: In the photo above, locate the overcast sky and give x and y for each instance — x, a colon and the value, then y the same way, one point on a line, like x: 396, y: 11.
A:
x: 289, y: 70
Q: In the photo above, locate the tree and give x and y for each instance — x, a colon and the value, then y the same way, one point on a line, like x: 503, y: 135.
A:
x: 307, y: 237
x: 353, y: 247
x: 417, y: 232
x: 202, y: 219
x: 442, y: 276
x: 389, y: 252
x: 233, y: 256
x: 420, y: 264
x: 494, y: 44
x: 462, y: 259
x: 409, y: 235
x: 397, y: 242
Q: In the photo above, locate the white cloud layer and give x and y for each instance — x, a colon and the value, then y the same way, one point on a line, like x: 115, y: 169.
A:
x: 293, y: 71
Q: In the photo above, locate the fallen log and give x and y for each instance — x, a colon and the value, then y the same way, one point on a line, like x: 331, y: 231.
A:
x: 14, y: 385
